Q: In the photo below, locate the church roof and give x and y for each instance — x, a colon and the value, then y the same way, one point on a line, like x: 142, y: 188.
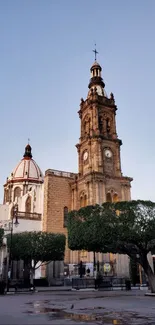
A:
x: 95, y: 64
x: 27, y: 169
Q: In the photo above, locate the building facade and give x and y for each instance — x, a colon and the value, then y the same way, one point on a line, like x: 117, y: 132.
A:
x: 25, y: 188
x: 99, y: 178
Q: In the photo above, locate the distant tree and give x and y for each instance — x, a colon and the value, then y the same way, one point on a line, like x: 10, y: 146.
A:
x: 35, y: 247
x: 122, y: 227
x: 1, y: 236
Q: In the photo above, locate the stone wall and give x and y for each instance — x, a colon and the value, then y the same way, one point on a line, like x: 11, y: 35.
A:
x: 57, y: 195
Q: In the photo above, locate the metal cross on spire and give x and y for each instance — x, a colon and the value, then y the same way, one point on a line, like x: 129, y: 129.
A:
x: 95, y: 51
x: 28, y: 141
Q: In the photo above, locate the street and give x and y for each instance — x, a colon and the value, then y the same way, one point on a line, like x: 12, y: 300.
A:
x: 78, y: 307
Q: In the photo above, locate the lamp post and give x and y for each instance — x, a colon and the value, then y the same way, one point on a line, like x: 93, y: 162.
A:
x: 16, y: 223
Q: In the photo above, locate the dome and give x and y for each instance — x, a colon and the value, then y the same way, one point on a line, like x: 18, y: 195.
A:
x: 27, y: 169
x: 95, y: 65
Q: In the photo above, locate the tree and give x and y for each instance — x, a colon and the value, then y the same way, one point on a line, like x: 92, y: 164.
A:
x: 92, y: 228
x: 1, y: 236
x: 35, y: 247
x: 122, y: 227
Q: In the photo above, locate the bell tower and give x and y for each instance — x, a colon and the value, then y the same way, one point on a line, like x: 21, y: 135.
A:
x: 99, y: 176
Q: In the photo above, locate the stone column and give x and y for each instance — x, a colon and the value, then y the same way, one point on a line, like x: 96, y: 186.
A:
x: 97, y: 192
x: 122, y: 193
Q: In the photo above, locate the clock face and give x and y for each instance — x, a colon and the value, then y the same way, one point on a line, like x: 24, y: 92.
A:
x: 85, y: 155
x: 108, y: 153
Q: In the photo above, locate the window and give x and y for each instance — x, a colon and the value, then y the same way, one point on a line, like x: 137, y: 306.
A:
x: 28, y: 205
x: 115, y: 198
x: 108, y: 125
x: 65, y: 216
x: 17, y: 192
x: 6, y: 196
x: 81, y: 202
x: 85, y: 200
x: 108, y: 197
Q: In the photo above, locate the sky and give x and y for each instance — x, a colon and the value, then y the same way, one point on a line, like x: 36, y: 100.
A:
x: 45, y: 59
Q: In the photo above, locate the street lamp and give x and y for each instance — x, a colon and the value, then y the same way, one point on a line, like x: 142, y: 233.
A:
x: 16, y: 223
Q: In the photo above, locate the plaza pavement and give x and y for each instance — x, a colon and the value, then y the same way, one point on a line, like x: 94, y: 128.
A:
x: 76, y: 307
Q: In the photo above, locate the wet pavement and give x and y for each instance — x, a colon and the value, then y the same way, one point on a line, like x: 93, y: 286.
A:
x: 68, y: 308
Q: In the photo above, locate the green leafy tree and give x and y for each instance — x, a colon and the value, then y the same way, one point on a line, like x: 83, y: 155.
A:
x: 35, y: 247
x: 122, y: 227
x: 92, y: 228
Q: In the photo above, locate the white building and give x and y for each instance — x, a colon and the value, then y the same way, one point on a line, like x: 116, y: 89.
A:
x: 25, y: 187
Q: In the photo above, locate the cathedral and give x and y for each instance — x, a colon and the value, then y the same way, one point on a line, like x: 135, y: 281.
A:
x: 44, y: 200
x: 99, y: 178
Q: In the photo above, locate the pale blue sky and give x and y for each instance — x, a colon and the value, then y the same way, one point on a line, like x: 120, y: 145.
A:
x: 45, y: 57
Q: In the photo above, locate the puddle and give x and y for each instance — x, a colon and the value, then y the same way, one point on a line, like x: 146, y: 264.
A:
x: 89, y: 315
x: 56, y: 313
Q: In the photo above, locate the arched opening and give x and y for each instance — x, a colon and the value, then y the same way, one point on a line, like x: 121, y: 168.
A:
x: 85, y: 200
x: 81, y: 202
x: 108, y: 197
x: 108, y: 125
x: 115, y: 197
x: 84, y: 127
x: 28, y: 205
x: 65, y: 216
x: 100, y: 124
x: 6, y: 196
x: 17, y: 192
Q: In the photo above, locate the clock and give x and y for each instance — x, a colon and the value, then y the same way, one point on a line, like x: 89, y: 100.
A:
x: 85, y: 155
x: 108, y: 153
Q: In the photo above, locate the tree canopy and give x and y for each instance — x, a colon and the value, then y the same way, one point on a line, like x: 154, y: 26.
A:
x: 122, y: 227
x: 92, y: 228
x: 37, y: 246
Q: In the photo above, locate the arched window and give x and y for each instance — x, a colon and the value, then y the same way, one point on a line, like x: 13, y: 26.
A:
x: 65, y: 216
x: 115, y: 197
x: 85, y: 200
x: 108, y: 197
x: 81, y: 202
x: 108, y: 125
x: 17, y: 192
x: 28, y: 205
x: 6, y: 196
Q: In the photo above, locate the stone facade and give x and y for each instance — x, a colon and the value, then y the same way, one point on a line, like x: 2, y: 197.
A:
x: 57, y: 202
x: 99, y: 178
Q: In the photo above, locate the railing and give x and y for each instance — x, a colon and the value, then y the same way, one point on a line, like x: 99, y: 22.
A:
x: 106, y: 283
x: 83, y: 283
x: 29, y: 216
x: 60, y: 173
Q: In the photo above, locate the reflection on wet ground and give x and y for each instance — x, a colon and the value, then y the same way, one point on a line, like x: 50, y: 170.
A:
x: 96, y: 315
x: 55, y: 313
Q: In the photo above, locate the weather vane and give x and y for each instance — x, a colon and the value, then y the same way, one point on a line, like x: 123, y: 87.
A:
x: 95, y: 51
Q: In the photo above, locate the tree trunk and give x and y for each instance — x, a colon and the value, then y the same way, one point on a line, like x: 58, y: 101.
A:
x: 148, y: 271
x: 32, y: 276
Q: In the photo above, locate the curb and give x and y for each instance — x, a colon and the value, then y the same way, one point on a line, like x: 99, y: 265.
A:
x: 150, y: 294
